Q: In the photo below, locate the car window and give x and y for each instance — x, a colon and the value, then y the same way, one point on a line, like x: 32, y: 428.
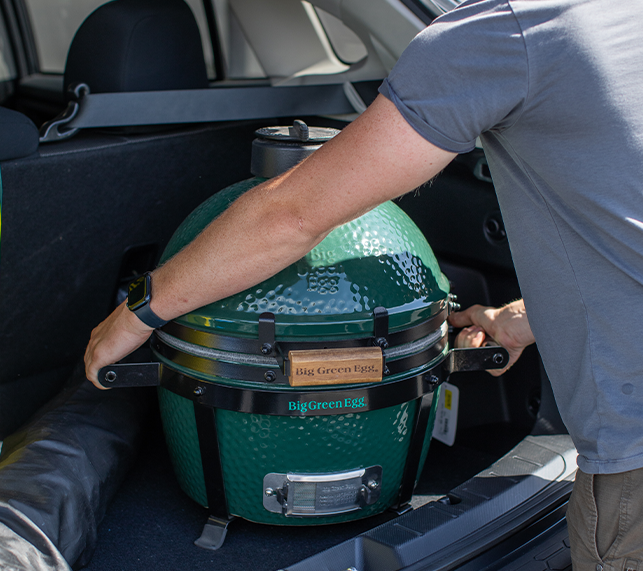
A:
x: 240, y: 59
x: 8, y: 71
x: 199, y: 15
x: 441, y: 6
x: 7, y: 65
x: 55, y: 22
x: 346, y: 45
x: 283, y: 39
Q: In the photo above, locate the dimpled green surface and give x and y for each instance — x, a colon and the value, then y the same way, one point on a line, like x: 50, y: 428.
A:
x: 255, y: 445
x: 380, y: 259
x: 252, y: 446
x: 179, y: 426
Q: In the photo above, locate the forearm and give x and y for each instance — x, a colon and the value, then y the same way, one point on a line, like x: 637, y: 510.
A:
x: 252, y: 240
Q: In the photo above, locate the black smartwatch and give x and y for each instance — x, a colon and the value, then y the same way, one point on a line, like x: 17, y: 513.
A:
x: 139, y: 296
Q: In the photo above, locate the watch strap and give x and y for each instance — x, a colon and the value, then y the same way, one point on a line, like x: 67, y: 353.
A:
x: 147, y: 316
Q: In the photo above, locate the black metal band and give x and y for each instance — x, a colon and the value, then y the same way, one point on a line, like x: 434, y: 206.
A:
x: 320, y: 402
x: 475, y: 359
x: 254, y: 346
x: 211, y: 460
x: 220, y: 369
x: 416, y: 445
x: 274, y: 375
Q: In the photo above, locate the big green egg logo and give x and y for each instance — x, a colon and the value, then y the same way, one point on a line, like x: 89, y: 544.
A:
x: 336, y: 405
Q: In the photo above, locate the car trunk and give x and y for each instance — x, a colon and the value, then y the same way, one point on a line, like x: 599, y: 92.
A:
x: 150, y: 523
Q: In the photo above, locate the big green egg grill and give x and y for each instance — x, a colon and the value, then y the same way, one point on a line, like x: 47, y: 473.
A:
x: 310, y: 398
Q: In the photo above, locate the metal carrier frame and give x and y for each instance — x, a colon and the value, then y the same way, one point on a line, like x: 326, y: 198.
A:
x: 270, y: 399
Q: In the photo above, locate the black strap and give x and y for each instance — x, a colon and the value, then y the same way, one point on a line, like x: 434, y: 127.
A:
x: 211, y: 460
x: 193, y: 106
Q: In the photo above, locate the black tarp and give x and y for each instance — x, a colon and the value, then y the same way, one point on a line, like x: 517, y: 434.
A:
x: 59, y: 472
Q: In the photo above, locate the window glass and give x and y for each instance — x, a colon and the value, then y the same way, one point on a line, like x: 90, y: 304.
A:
x: 55, y: 22
x: 240, y: 59
x: 7, y: 64
x: 346, y: 45
x: 441, y: 6
x: 199, y: 15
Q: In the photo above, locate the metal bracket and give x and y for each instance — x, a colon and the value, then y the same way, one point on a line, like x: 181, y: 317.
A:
x: 267, y: 334
x: 452, y: 304
x: 380, y: 326
x: 418, y: 436
x: 476, y: 359
x: 130, y: 375
x: 268, y: 345
x: 401, y: 510
x: 54, y: 130
x: 380, y: 333
x: 214, y: 533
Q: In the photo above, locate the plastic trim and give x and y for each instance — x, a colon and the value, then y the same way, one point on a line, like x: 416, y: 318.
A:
x: 525, y: 485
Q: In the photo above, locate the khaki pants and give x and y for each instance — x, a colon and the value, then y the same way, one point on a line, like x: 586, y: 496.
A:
x: 605, y: 522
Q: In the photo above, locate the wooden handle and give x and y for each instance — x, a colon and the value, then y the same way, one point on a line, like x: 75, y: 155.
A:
x: 335, y: 366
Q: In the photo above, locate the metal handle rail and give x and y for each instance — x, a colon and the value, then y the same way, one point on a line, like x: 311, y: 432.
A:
x: 121, y: 375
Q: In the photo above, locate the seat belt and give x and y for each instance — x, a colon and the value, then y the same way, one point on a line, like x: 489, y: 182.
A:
x: 87, y: 110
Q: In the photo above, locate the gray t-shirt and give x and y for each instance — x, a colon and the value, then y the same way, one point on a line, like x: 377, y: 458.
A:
x: 555, y: 90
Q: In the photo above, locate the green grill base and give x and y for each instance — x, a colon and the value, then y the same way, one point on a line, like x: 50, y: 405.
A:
x: 252, y: 446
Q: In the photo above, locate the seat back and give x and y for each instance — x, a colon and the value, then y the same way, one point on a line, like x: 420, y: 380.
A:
x: 18, y: 135
x: 137, y: 45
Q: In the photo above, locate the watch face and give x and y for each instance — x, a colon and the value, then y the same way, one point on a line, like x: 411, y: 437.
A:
x: 139, y: 292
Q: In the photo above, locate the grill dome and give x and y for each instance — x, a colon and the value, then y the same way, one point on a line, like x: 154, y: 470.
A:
x: 379, y: 259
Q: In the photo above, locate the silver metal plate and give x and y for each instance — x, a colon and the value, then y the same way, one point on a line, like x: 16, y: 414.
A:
x: 333, y: 493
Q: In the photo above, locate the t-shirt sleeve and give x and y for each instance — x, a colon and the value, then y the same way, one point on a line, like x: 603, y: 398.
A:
x: 465, y: 74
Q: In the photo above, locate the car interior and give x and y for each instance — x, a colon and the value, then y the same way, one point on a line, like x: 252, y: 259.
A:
x: 154, y: 112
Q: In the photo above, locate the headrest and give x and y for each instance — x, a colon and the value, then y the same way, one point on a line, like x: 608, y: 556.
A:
x: 137, y: 45
x: 18, y: 135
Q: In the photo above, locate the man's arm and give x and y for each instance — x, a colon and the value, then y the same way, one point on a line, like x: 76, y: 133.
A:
x: 376, y: 158
x: 507, y: 326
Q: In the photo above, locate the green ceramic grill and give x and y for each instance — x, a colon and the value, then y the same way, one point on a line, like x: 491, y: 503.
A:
x: 310, y: 398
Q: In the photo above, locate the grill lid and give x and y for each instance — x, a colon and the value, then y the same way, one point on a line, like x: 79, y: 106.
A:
x: 379, y: 260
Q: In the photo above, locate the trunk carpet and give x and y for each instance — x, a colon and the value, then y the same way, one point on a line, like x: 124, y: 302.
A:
x: 152, y: 524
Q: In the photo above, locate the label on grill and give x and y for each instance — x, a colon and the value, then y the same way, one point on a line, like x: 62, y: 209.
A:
x: 446, y: 416
x: 335, y: 366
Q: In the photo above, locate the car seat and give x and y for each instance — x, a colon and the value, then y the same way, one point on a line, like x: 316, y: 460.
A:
x: 18, y: 135
x: 137, y: 45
